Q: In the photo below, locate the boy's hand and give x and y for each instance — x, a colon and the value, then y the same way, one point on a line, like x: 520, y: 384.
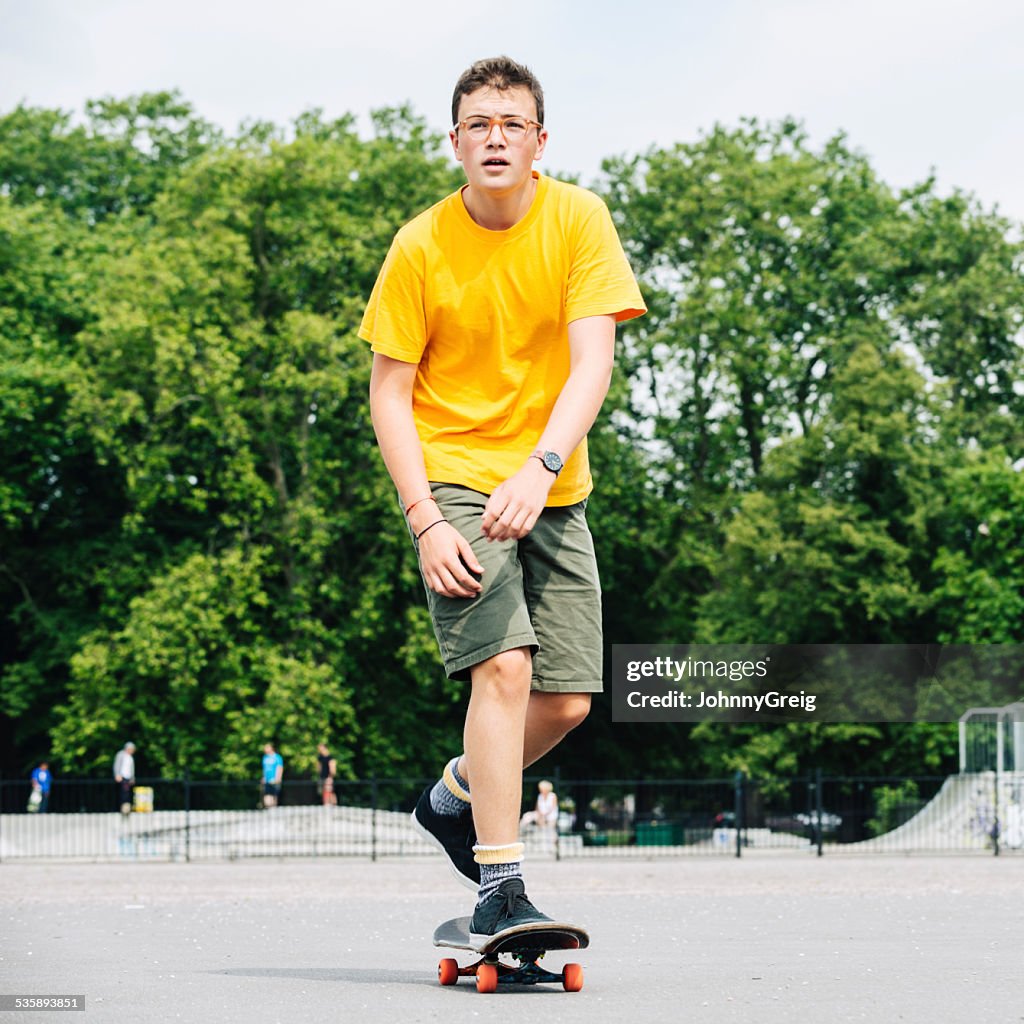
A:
x: 515, y: 506
x: 448, y: 562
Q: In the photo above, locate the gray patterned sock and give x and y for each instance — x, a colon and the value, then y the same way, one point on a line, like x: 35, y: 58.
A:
x: 443, y: 800
x: 492, y: 875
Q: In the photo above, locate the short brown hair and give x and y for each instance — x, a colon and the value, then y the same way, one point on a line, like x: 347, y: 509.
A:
x: 501, y: 73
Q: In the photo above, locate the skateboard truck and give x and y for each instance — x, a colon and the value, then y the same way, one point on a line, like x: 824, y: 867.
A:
x: 490, y: 972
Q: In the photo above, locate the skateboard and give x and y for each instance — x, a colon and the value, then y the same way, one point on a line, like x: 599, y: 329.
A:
x: 526, y: 945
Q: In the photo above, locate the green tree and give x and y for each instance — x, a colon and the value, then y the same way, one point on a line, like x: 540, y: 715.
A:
x: 58, y: 505
x: 979, y: 591
x: 215, y: 381
x: 815, y: 435
x: 820, y: 354
x: 118, y: 161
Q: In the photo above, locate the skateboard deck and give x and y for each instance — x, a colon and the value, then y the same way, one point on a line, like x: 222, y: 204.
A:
x: 526, y: 945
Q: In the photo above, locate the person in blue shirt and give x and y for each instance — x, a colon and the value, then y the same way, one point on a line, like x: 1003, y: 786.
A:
x: 41, y: 782
x: 273, y: 773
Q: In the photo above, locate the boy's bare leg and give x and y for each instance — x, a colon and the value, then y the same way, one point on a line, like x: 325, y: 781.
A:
x: 493, y: 737
x: 502, y: 711
x: 550, y: 717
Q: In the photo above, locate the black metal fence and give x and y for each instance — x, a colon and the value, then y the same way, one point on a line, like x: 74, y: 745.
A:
x: 184, y: 819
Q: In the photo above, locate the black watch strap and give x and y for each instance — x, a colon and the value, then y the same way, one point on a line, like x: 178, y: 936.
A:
x: 551, y: 461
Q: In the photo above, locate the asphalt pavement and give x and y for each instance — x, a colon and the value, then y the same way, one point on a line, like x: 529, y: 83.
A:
x: 765, y: 939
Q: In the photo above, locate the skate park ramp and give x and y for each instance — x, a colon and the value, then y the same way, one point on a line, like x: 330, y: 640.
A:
x: 968, y: 813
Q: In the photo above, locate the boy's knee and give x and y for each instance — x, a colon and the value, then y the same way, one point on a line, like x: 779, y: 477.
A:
x: 505, y: 675
x: 575, y: 708
x: 566, y: 710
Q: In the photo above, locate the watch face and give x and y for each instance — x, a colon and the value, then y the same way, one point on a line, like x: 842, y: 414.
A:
x: 552, y: 461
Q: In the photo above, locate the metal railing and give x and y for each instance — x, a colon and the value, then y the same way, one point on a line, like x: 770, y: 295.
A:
x: 201, y: 820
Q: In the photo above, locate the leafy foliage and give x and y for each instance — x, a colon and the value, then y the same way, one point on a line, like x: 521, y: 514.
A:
x: 894, y: 805
x: 813, y: 437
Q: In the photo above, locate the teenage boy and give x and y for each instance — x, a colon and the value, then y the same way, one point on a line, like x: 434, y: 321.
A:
x: 492, y: 325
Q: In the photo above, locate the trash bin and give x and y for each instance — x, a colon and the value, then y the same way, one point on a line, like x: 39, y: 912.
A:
x: 659, y: 833
x: 142, y: 800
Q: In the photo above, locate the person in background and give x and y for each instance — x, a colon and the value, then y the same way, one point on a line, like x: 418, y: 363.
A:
x: 545, y: 812
x: 328, y: 769
x: 273, y: 773
x: 124, y: 777
x: 41, y: 782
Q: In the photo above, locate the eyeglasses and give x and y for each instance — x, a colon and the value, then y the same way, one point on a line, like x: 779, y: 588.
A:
x: 513, y: 129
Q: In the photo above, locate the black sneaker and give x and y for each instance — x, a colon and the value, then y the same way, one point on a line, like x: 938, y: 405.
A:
x: 506, y: 909
x: 454, y: 836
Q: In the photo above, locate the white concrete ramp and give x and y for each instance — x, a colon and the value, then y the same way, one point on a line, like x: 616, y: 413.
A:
x: 962, y: 816
x: 210, y: 835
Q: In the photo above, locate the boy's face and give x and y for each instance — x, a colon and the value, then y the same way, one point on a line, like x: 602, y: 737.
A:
x: 493, y: 164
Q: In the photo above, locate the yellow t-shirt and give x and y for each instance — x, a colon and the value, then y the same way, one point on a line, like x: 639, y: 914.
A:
x: 485, y: 316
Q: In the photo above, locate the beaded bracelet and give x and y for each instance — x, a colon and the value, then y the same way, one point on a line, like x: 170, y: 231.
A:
x: 430, y: 527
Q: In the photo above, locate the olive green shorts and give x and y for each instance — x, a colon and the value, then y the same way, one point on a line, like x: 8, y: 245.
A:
x: 540, y: 592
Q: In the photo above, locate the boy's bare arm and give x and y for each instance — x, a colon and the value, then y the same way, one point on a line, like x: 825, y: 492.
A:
x: 446, y: 558
x: 516, y: 504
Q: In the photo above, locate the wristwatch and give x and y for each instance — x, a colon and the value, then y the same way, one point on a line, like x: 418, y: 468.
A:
x: 551, y: 460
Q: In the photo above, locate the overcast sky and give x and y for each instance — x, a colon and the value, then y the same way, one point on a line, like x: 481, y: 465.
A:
x: 916, y: 84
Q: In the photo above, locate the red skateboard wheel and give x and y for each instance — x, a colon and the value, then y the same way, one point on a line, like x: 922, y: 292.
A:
x: 486, y: 978
x: 572, y: 977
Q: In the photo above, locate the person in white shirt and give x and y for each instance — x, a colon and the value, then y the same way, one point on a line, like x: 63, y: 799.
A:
x: 545, y: 812
x: 124, y: 776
